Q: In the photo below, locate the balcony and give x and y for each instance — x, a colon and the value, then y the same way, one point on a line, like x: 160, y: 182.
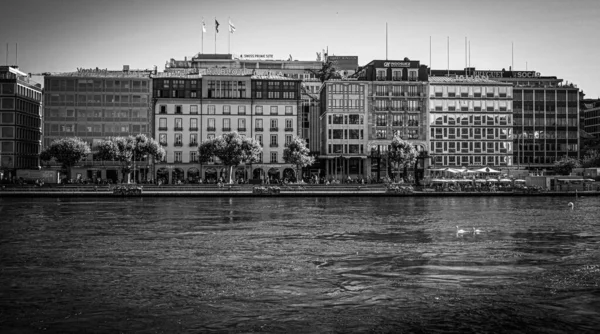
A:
x: 178, y: 144
x: 164, y: 144
x: 380, y: 78
x: 258, y: 129
x: 273, y: 145
x: 289, y: 129
x: 193, y: 144
x: 194, y: 129
x: 177, y: 128
x: 226, y: 129
x: 275, y: 129
x: 164, y: 128
x: 241, y: 129
x: 211, y: 129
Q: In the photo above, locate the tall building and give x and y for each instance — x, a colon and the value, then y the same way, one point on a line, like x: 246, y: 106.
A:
x: 545, y: 115
x: 20, y: 121
x: 94, y: 104
x: 470, y: 121
x: 177, y: 104
x: 397, y: 99
x: 591, y: 116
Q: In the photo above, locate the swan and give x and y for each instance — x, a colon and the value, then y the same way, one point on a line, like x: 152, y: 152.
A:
x: 477, y: 231
x: 571, y: 205
x: 460, y: 231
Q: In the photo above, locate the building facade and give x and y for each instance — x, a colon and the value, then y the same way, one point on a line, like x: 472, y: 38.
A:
x: 20, y: 122
x: 398, y: 97
x: 591, y: 116
x: 470, y: 122
x: 545, y: 115
x: 93, y: 105
x: 177, y: 105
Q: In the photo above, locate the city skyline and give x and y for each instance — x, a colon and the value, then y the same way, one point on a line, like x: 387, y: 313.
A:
x: 548, y: 36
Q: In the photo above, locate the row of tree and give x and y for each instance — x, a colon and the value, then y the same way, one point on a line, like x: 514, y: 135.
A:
x: 231, y: 149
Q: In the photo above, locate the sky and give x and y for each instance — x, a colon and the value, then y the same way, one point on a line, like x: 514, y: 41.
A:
x: 555, y: 38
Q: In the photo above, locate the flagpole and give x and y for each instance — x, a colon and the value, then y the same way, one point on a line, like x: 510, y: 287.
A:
x: 386, y: 41
x: 215, y: 35
x: 229, y: 35
x: 202, y: 39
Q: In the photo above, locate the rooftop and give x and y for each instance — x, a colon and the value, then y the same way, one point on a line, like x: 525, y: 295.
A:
x: 103, y: 73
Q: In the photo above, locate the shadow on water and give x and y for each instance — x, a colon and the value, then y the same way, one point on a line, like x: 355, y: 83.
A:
x: 336, y: 265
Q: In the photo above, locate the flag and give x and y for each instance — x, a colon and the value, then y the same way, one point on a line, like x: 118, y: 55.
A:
x: 231, y: 27
x: 216, y: 25
x: 203, y: 26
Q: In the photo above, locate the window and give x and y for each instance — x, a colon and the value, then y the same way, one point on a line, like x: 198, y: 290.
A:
x: 178, y: 109
x: 274, y: 125
x: 163, y: 109
x: 289, y: 124
x: 193, y: 156
x: 274, y: 110
x: 193, y: 109
x: 397, y: 74
x: 211, y: 109
x: 226, y: 124
x: 211, y: 124
x: 413, y: 120
x: 259, y: 139
x: 178, y: 155
x: 258, y: 110
x: 273, y: 157
x: 273, y: 140
x: 258, y: 124
x: 162, y: 124
x: 178, y: 139
x: 162, y: 139
x: 193, y: 124
x: 226, y: 110
x: 288, y: 139
x: 381, y: 134
x: 381, y: 74
x: 289, y: 110
x: 242, y: 124
x: 178, y: 124
x: 242, y: 110
x: 412, y: 75
x: 193, y: 139
x: 381, y: 120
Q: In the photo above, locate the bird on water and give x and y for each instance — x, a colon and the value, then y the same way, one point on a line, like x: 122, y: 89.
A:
x: 571, y: 205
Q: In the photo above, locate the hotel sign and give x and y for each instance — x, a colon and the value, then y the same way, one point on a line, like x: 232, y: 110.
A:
x: 396, y: 64
x: 508, y: 74
x: 237, y: 71
x: 344, y: 62
x: 255, y: 56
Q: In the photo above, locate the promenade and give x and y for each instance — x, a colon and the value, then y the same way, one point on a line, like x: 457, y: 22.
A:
x: 246, y: 190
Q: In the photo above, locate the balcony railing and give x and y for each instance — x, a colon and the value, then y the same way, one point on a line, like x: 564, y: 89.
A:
x: 289, y: 129
x: 163, y: 128
x: 164, y: 144
x: 178, y: 144
x: 242, y: 129
x: 193, y: 144
x: 178, y: 128
x: 211, y: 128
x: 274, y: 129
x: 258, y: 129
x: 194, y: 129
x: 274, y: 145
x: 226, y: 129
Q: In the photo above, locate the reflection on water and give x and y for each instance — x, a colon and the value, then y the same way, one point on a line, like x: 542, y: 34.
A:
x: 300, y: 265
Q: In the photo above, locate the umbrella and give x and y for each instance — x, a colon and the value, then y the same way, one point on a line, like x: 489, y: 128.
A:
x: 480, y: 180
x: 519, y: 180
x: 487, y: 170
x: 590, y: 180
x: 464, y: 180
x: 505, y: 180
x: 492, y: 180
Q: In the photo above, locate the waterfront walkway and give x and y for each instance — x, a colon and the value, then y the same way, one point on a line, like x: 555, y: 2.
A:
x: 374, y: 190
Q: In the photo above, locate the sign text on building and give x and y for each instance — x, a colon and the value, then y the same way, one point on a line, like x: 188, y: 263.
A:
x: 396, y: 64
x: 513, y: 74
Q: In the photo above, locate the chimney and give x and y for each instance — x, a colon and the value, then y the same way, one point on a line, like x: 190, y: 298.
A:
x: 155, y: 69
x: 125, y: 68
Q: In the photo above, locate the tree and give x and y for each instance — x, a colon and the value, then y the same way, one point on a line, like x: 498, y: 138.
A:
x: 591, y: 159
x: 403, y: 153
x: 297, y: 154
x: 126, y: 149
x: 566, y: 165
x: 232, y: 149
x: 326, y: 72
x: 67, y: 151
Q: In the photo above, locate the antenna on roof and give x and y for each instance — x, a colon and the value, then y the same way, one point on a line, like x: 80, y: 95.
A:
x: 16, y: 54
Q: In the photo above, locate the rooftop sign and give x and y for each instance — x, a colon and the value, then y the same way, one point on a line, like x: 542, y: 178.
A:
x: 508, y: 74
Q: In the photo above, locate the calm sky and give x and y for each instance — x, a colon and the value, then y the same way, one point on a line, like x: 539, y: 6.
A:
x: 556, y: 38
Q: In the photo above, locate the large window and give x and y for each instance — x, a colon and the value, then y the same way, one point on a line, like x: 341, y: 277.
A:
x: 273, y: 157
x: 258, y: 124
x: 193, y: 124
x: 211, y: 124
x: 226, y: 124
x: 162, y: 124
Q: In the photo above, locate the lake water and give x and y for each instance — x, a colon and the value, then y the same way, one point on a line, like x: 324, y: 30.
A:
x: 336, y: 265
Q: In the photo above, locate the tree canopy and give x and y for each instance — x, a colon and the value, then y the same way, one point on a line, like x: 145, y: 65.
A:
x: 403, y: 153
x: 67, y: 151
x: 566, y: 165
x: 125, y: 149
x: 297, y: 154
x: 326, y: 72
x: 231, y: 149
